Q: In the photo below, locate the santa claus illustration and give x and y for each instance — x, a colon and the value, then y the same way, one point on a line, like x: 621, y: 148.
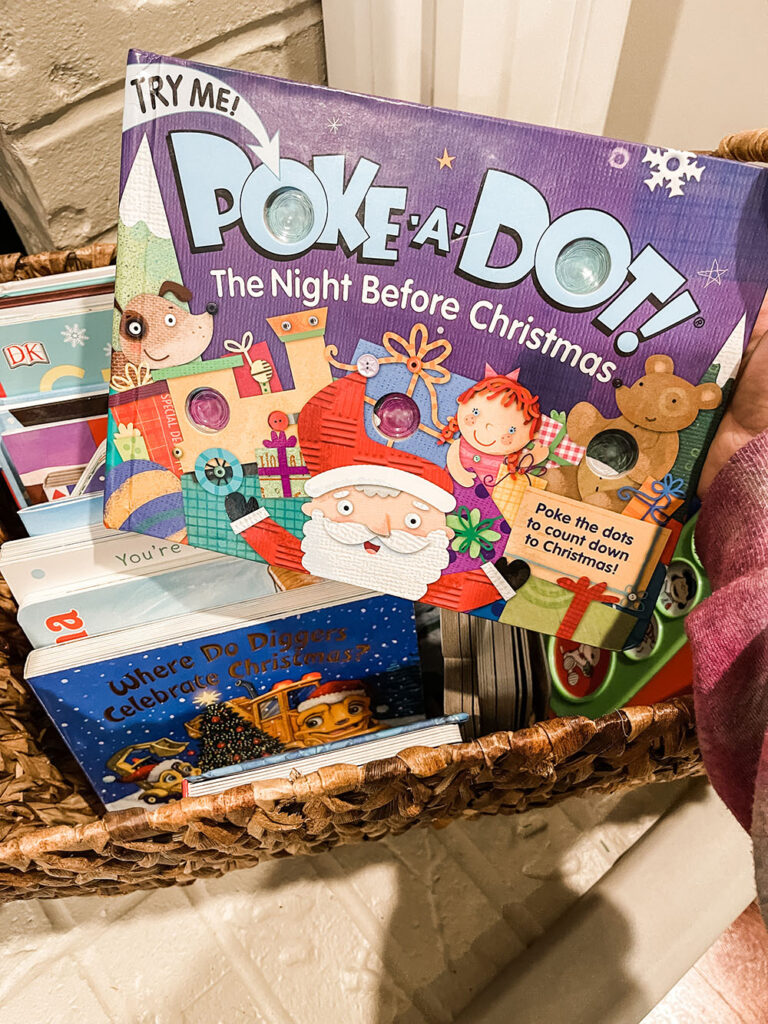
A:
x: 377, y: 516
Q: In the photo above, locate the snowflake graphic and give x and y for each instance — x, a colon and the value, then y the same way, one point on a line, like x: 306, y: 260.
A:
x: 334, y: 124
x: 107, y: 350
x: 74, y: 335
x: 671, y: 168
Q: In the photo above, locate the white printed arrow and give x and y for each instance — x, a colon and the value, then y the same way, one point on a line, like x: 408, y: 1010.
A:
x: 728, y: 359
x: 157, y: 90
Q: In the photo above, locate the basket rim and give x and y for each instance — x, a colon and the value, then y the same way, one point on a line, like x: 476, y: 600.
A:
x: 554, y: 742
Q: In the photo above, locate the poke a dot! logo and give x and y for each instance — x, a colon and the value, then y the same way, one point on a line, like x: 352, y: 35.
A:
x: 25, y: 354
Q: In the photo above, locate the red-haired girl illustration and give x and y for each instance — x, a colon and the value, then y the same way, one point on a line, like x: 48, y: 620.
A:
x: 495, y: 420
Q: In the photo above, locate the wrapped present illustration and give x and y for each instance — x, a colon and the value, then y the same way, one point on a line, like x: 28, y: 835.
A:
x: 655, y: 499
x: 129, y: 443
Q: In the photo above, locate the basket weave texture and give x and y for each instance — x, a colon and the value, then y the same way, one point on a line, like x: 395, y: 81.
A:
x: 54, y: 841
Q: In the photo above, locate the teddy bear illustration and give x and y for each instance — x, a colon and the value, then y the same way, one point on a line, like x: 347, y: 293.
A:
x: 642, y: 442
x: 157, y: 333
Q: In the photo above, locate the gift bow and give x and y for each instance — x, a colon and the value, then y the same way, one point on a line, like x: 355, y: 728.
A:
x: 131, y: 377
x: 416, y: 359
x: 414, y: 356
x: 665, y: 490
x: 241, y: 347
x: 473, y: 533
x: 127, y: 430
x: 584, y: 594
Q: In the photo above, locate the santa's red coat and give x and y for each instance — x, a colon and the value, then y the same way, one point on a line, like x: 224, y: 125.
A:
x: 459, y: 591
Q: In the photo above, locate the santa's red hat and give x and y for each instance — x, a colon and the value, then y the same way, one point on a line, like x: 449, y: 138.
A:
x: 332, y: 693
x: 158, y: 769
x: 339, y: 453
x: 140, y: 773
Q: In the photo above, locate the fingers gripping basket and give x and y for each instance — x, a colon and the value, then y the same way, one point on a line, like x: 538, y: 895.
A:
x: 54, y: 842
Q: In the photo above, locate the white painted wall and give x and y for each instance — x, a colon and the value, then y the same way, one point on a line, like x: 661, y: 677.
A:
x: 690, y: 72
x: 550, y: 62
x: 679, y: 73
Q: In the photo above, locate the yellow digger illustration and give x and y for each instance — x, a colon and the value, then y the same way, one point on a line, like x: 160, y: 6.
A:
x: 303, y: 712
x: 159, y: 775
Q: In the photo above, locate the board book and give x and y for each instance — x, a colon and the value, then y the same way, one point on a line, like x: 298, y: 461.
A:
x: 90, y: 581
x: 451, y: 358
x: 495, y: 673
x: 54, y: 369
x: 88, y: 556
x: 432, y: 732
x: 65, y: 613
x: 142, y: 710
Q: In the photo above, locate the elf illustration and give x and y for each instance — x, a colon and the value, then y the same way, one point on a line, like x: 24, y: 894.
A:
x: 582, y: 660
x: 496, y: 419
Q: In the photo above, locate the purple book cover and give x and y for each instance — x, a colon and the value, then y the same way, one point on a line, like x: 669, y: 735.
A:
x: 451, y: 358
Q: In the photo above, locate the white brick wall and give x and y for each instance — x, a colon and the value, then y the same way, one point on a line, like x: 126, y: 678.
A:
x: 61, y: 72
x: 405, y: 930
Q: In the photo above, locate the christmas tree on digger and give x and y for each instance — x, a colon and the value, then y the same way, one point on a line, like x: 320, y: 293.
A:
x: 227, y: 738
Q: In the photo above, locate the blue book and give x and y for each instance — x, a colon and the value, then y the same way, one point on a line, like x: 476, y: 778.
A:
x: 55, y: 334
x: 143, y: 710
x: 431, y: 732
x: 57, y: 516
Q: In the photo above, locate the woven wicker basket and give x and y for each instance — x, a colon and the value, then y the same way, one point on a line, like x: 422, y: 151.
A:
x: 54, y: 842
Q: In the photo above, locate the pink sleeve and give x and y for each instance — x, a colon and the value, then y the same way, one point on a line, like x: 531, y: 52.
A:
x: 729, y: 639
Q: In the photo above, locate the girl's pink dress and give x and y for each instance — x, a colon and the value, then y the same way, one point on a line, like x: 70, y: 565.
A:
x: 729, y: 639
x: 485, y: 466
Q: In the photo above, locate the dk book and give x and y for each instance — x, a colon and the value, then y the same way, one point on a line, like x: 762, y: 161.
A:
x: 446, y: 357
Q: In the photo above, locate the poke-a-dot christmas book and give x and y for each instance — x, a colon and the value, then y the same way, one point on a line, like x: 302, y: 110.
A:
x: 446, y: 357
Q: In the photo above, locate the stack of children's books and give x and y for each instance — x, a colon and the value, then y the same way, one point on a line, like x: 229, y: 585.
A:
x: 153, y: 677
x: 436, y: 356
x: 257, y: 685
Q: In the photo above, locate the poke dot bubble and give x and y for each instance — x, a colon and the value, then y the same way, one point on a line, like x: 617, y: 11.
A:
x: 38, y: 574
x: 396, y: 416
x: 611, y: 453
x: 627, y: 343
x: 208, y: 409
x: 583, y: 266
x: 288, y: 214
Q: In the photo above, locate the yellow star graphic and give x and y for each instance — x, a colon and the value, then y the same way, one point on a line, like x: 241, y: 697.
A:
x: 206, y: 698
x: 445, y: 160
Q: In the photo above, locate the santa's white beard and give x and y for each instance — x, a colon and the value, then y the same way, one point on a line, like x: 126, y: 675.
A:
x: 400, y: 567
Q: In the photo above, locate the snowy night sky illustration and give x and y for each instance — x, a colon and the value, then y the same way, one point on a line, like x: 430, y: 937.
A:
x: 77, y: 698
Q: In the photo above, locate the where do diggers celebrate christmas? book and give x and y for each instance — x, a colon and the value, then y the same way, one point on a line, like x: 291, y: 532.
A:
x: 142, y: 710
x: 447, y: 357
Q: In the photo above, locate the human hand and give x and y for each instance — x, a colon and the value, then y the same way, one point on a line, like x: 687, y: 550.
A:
x: 747, y: 413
